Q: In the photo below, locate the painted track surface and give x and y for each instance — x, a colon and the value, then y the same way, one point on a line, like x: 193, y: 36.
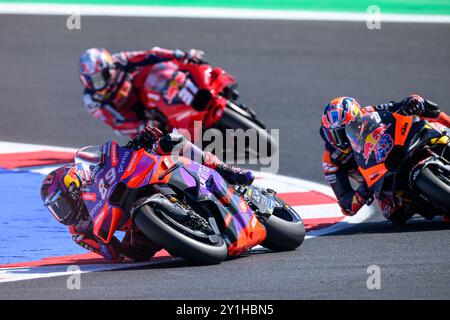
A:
x: 287, y: 71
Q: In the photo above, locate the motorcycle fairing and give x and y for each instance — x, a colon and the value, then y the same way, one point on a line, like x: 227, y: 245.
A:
x: 204, y: 185
x: 138, y: 169
x: 408, y: 134
x: 377, y: 135
x: 186, y: 93
x: 104, y: 178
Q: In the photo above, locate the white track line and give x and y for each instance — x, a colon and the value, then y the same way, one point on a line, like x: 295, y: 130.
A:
x: 207, y: 13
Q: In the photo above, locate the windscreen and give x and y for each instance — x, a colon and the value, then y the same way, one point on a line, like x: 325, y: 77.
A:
x: 91, y: 155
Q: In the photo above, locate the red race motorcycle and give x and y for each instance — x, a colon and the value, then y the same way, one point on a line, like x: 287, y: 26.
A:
x: 186, y: 208
x: 181, y: 94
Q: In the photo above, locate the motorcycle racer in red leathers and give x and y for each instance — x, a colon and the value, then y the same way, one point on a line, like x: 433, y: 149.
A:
x: 61, y: 194
x: 338, y: 163
x: 112, y: 84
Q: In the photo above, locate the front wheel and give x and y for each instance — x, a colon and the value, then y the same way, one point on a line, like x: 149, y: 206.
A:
x: 171, y: 228
x: 285, y: 229
x: 435, y: 185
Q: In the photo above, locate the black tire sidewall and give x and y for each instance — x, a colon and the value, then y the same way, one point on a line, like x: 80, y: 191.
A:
x: 283, y: 235
x: 175, y: 242
x: 434, y: 188
x: 233, y: 120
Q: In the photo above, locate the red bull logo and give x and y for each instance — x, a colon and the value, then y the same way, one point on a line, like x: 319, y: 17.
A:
x: 372, y: 141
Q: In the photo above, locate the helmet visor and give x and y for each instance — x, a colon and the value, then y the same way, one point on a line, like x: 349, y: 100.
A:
x: 359, y: 129
x: 62, y: 207
x: 99, y: 80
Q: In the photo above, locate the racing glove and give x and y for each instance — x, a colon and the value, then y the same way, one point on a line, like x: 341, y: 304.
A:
x: 413, y: 105
x: 191, y: 56
x: 416, y: 105
x: 146, y: 139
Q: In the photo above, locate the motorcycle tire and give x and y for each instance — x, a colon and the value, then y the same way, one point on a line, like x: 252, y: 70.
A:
x: 237, y: 118
x: 285, y: 230
x: 175, y: 242
x: 434, y: 188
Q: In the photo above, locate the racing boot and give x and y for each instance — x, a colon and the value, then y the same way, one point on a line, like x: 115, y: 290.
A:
x: 234, y: 175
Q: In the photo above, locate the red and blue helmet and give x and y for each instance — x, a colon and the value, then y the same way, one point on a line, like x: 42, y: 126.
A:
x: 96, y: 65
x: 337, y: 114
x: 61, y: 194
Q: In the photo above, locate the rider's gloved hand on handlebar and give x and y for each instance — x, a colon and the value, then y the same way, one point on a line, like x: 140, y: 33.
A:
x: 416, y: 105
x: 195, y: 55
x: 149, y: 136
x: 413, y: 105
x: 191, y: 56
x: 146, y: 139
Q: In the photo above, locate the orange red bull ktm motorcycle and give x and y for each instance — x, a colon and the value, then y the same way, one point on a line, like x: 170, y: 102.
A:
x: 405, y: 161
x: 185, y: 207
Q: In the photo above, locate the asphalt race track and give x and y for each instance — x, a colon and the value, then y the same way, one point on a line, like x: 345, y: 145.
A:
x: 287, y: 71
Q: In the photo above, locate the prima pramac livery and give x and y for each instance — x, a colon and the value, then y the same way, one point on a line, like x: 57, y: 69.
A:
x: 174, y: 202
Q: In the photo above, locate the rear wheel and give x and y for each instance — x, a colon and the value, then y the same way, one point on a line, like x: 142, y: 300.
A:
x: 285, y: 229
x: 180, y: 233
x: 235, y: 117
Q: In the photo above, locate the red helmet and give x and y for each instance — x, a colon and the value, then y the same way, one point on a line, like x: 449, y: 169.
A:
x: 96, y: 65
x: 337, y: 114
x: 61, y: 193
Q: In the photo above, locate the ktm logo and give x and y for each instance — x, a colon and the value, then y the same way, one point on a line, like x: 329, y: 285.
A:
x: 374, y: 176
x: 404, y: 128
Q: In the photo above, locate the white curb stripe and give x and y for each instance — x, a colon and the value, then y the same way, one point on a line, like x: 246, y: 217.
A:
x: 318, y: 211
x: 364, y: 214
x: 207, y: 13
x: 16, y: 147
x: 30, y: 273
